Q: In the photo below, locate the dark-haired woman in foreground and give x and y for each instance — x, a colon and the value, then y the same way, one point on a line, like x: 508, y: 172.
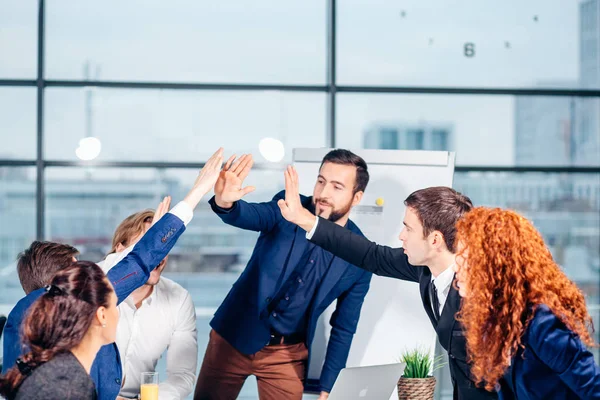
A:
x: 526, y: 324
x: 63, y: 331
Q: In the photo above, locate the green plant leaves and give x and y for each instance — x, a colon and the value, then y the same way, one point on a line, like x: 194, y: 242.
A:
x: 419, y: 363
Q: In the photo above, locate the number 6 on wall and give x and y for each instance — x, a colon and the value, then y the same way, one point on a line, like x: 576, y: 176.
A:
x: 469, y: 49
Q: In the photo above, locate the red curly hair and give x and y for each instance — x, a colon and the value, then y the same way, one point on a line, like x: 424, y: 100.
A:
x: 509, y: 272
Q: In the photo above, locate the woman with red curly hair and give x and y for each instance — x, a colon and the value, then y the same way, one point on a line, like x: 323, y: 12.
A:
x: 526, y: 323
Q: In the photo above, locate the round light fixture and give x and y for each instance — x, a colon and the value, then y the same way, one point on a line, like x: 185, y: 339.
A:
x: 271, y: 149
x: 89, y: 148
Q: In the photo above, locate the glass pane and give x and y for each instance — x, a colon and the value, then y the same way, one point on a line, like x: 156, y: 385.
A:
x: 18, y: 120
x: 482, y: 130
x: 167, y: 125
x: 85, y: 205
x: 538, y: 43
x: 18, y: 39
x: 17, y: 229
x: 565, y: 208
x: 182, y: 41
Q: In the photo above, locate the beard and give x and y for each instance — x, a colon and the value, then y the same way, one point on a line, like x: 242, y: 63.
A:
x: 336, y: 213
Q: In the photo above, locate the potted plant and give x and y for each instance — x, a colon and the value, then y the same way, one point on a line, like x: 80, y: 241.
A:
x: 417, y: 381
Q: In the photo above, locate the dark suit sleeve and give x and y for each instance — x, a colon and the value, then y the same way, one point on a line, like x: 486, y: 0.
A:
x: 343, y: 326
x: 563, y: 352
x: 358, y: 250
x: 133, y: 270
x: 259, y: 217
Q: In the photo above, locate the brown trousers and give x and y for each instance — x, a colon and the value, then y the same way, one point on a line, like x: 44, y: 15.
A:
x: 279, y: 371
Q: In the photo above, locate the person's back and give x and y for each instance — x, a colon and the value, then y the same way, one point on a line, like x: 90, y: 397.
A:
x: 62, y: 378
x: 12, y: 344
x: 549, y: 346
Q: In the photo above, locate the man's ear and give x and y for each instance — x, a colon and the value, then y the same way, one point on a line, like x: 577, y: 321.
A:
x: 357, y: 198
x: 436, y: 239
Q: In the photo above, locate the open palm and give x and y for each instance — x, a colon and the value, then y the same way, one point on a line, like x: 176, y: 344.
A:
x: 228, y: 188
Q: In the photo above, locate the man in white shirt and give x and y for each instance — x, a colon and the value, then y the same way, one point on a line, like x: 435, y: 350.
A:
x: 156, y: 317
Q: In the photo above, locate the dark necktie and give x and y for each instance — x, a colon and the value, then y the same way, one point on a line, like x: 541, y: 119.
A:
x: 435, y: 302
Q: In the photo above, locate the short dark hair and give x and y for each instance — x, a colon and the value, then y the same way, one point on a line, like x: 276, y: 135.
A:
x: 38, y: 264
x: 438, y: 209
x: 346, y: 157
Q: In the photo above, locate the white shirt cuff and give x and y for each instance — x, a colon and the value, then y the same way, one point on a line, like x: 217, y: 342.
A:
x: 183, y: 211
x: 310, y: 234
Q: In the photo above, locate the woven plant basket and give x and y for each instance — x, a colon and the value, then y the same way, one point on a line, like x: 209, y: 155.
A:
x: 416, y: 388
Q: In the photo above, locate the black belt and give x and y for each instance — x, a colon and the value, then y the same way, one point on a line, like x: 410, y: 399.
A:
x: 277, y: 339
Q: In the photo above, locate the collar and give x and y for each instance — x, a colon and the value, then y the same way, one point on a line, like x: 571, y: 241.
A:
x: 444, y: 280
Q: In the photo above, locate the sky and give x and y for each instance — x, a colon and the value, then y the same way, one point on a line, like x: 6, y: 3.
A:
x: 410, y: 43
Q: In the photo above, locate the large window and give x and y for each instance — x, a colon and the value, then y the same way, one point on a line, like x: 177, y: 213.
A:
x: 85, y: 205
x: 168, y: 125
x: 18, y: 39
x: 468, y: 43
x: 512, y: 88
x: 565, y: 208
x: 201, y: 41
x: 17, y: 120
x: 482, y: 130
x: 17, y: 228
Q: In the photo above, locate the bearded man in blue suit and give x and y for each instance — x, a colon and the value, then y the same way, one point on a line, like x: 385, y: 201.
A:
x: 266, y: 324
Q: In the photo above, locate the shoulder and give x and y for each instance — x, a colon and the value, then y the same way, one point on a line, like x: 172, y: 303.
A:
x: 170, y: 285
x: 354, y: 228
x: 172, y: 289
x: 176, y: 300
x: 62, y: 374
x: 545, y: 329
x: 543, y: 320
x: 62, y: 364
x: 18, y: 311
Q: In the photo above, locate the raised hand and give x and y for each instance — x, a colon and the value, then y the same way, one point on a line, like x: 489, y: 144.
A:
x: 291, y: 208
x: 228, y: 188
x: 161, y: 209
x: 206, y: 179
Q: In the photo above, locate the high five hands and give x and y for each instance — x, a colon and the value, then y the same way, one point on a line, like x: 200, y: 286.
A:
x: 291, y: 208
x: 228, y: 188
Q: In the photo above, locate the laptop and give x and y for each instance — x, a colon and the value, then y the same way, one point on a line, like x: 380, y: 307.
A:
x: 376, y: 382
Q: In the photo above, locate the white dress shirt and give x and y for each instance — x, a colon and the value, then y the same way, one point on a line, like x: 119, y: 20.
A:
x: 166, y: 320
x: 310, y: 234
x: 442, y: 285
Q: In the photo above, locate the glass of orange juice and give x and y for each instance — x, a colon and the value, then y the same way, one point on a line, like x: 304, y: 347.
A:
x: 149, y: 388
